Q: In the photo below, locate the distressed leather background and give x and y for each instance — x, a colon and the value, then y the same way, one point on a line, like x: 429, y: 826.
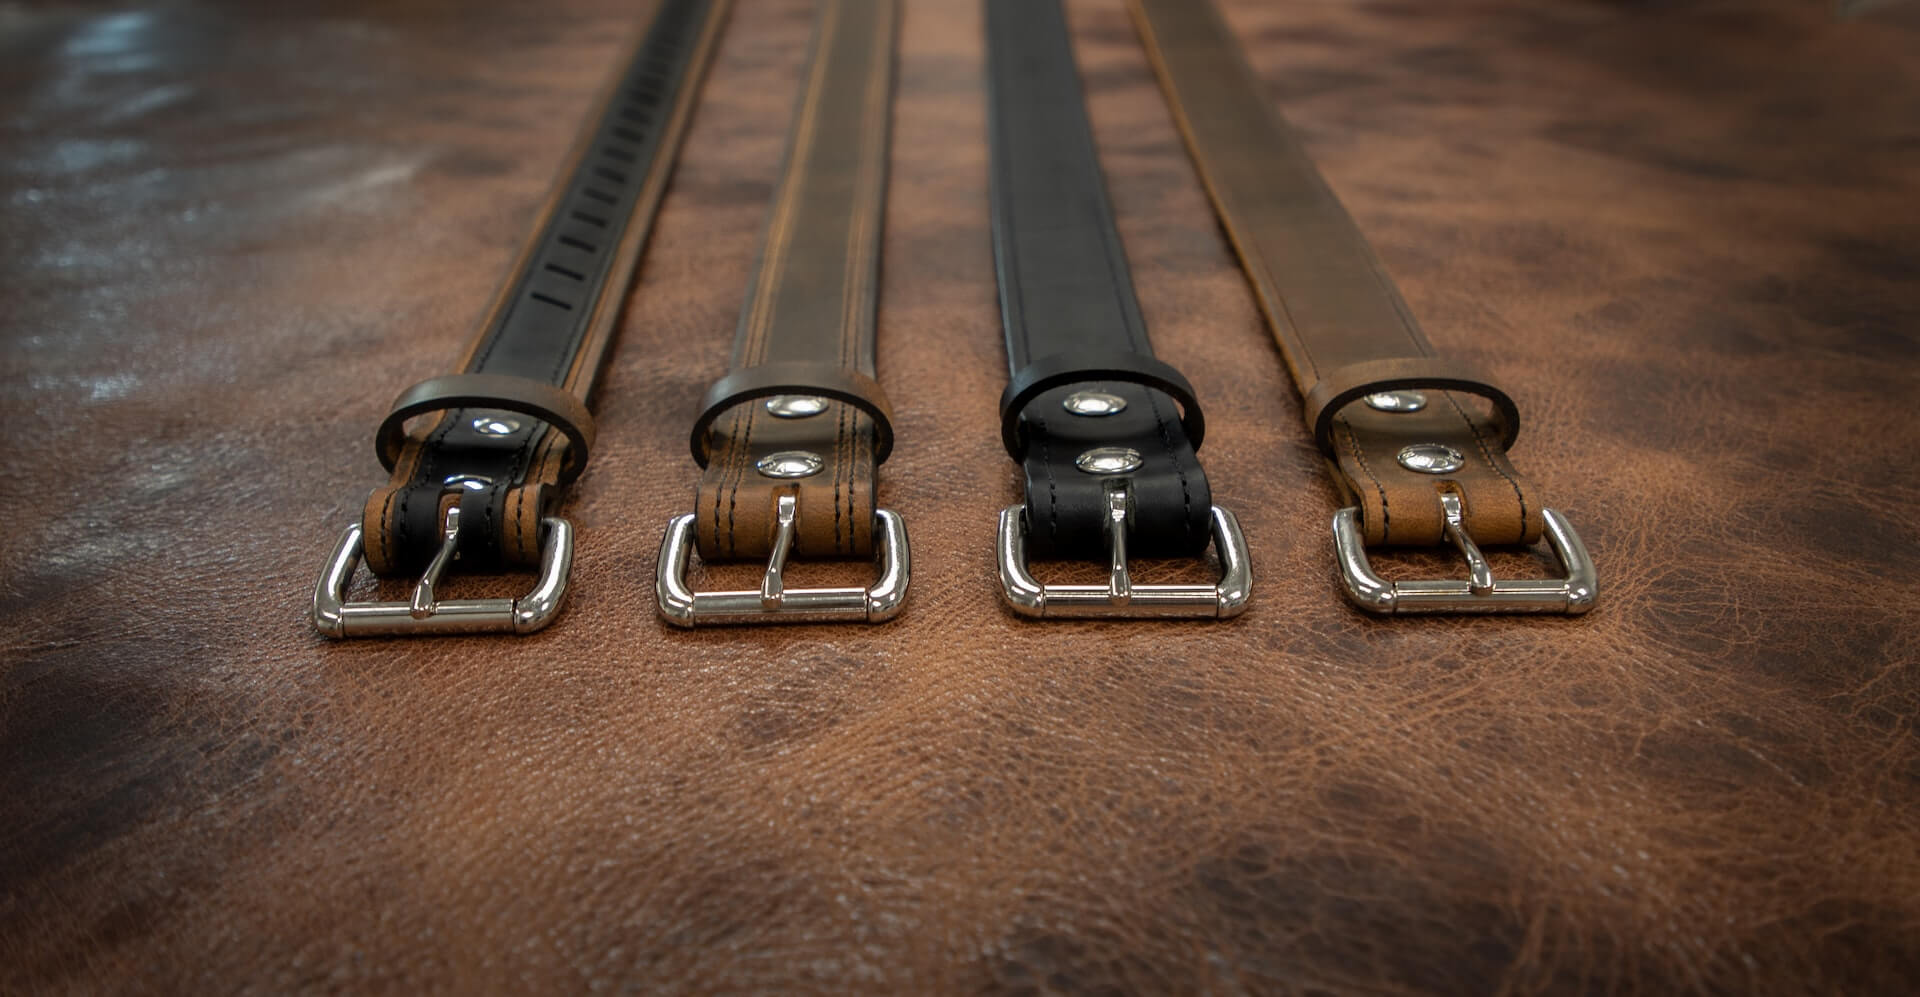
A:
x: 1684, y: 235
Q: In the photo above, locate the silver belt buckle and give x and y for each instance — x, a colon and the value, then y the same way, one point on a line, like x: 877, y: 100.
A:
x: 1120, y: 598
x: 775, y: 602
x: 428, y: 614
x: 1479, y: 592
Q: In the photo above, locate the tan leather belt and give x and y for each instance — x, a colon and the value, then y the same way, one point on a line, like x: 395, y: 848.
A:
x: 479, y: 484
x: 1417, y: 442
x: 792, y: 437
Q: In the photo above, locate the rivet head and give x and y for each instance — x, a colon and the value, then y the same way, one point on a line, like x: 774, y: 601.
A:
x: 1397, y: 401
x: 496, y: 425
x: 790, y: 464
x: 796, y: 406
x: 1094, y: 403
x: 1432, y: 458
x: 1109, y: 460
x: 471, y: 482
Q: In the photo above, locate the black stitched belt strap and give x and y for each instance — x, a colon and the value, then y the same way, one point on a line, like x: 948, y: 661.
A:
x: 477, y: 474
x: 791, y: 438
x: 1067, y: 304
x: 1418, y: 442
x: 1104, y: 432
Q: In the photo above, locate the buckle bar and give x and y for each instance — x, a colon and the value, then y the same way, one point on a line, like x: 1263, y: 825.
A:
x: 425, y: 613
x: 1120, y: 598
x: 774, y: 602
x: 1479, y: 592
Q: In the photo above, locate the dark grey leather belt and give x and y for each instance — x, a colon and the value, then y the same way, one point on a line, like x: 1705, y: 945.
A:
x: 792, y: 437
x: 1417, y: 443
x: 479, y: 483
x: 1103, y: 430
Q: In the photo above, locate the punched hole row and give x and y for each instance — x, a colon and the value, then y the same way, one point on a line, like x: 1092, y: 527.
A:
x: 611, y: 177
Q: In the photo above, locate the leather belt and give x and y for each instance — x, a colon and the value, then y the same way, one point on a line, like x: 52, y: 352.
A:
x: 1104, y: 432
x: 791, y: 438
x: 1417, y: 442
x: 512, y: 428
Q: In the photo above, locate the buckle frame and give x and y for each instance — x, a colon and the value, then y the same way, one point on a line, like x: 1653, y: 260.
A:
x: 774, y: 602
x: 1480, y: 592
x: 1120, y: 598
x: 425, y: 613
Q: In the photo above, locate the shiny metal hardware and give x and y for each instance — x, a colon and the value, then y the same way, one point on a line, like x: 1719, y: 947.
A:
x: 496, y: 425
x: 1094, y: 404
x: 795, y: 406
x: 1120, y: 598
x: 1479, y: 592
x: 426, y: 613
x: 1431, y: 458
x: 1109, y: 460
x: 471, y: 482
x: 790, y: 464
x: 1397, y: 401
x: 774, y: 602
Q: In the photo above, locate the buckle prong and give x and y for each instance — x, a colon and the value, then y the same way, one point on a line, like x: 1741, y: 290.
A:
x: 1479, y: 572
x: 773, y: 586
x: 1119, y: 583
x: 1119, y: 597
x: 774, y: 602
x: 423, y: 600
x: 1479, y: 592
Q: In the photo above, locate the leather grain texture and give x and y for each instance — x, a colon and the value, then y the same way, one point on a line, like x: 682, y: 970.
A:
x: 1681, y: 234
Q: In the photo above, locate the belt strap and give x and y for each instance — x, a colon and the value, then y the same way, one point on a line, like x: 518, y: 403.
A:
x: 512, y: 426
x: 791, y: 438
x: 1104, y: 432
x: 1418, y: 442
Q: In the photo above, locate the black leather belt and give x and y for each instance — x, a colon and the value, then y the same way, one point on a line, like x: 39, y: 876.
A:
x: 1417, y: 442
x: 1104, y: 432
x: 791, y: 438
x: 479, y: 483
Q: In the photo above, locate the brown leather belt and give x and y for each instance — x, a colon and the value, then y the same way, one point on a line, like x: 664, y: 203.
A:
x: 792, y: 437
x: 479, y: 484
x: 1416, y: 442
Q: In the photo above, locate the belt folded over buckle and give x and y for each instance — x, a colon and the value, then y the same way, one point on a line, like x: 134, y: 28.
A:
x: 511, y: 429
x: 1106, y: 434
x: 1120, y: 598
x: 791, y: 438
x: 426, y: 613
x: 1398, y: 423
x: 1479, y: 592
x: 775, y: 602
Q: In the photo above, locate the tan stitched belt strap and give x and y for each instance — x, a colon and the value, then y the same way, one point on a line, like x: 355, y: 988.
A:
x: 809, y: 311
x: 1340, y: 323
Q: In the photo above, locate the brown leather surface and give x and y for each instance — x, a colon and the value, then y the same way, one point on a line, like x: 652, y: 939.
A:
x: 1680, y: 233
x: 813, y: 301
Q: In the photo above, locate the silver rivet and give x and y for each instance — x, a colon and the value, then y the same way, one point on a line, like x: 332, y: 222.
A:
x: 1094, y: 403
x: 493, y: 425
x: 471, y: 482
x: 796, y: 406
x: 790, y: 464
x: 1108, y: 460
x: 1397, y: 401
x: 1432, y: 458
